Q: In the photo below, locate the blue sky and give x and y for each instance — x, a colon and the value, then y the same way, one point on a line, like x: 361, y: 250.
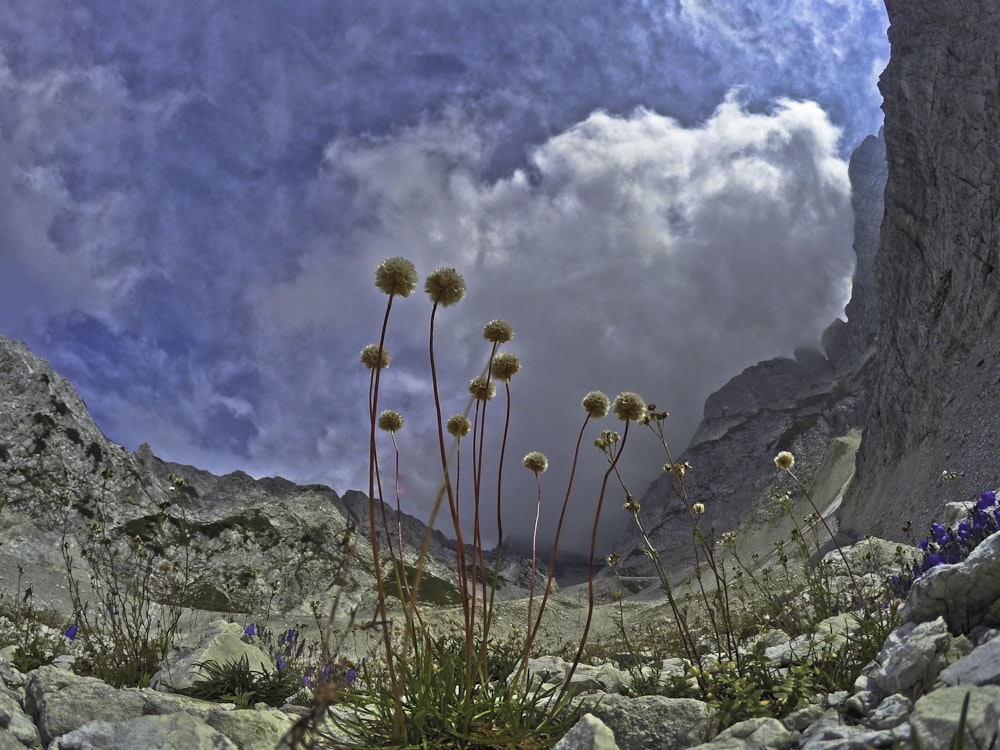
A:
x: 194, y: 197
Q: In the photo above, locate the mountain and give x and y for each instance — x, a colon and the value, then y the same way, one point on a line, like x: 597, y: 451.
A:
x: 257, y: 547
x: 935, y: 405
x: 813, y: 405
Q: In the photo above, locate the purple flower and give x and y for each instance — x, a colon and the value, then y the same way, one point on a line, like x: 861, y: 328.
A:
x: 71, y: 632
x: 940, y: 534
x: 281, y: 663
x: 931, y: 561
x: 964, y: 532
x: 987, y: 500
x: 326, y: 673
x: 922, y: 545
x: 351, y: 675
x: 250, y: 630
x: 290, y: 636
x: 306, y: 681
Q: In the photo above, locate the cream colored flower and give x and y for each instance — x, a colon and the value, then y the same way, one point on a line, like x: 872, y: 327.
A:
x: 459, y: 425
x: 370, y: 357
x: 596, y: 404
x: 630, y: 407
x: 396, y: 276
x: 698, y: 508
x: 498, y: 331
x: 504, y: 366
x: 445, y: 286
x: 784, y: 461
x: 482, y: 389
x: 390, y: 420
x: 536, y: 462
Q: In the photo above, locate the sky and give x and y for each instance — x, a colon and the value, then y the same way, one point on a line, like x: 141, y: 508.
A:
x: 194, y: 197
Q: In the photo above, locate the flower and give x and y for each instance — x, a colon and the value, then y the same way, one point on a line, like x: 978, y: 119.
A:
x: 396, y: 276
x: 498, y: 331
x: 445, y: 286
x: 306, y: 681
x: 390, y: 420
x: 459, y: 425
x: 351, y: 675
x: 482, y: 389
x: 71, y: 632
x: 698, y: 508
x: 250, y: 630
x: 536, y: 462
x: 987, y: 500
x: 596, y: 404
x: 629, y: 407
x: 784, y: 461
x: 370, y: 357
x: 504, y: 366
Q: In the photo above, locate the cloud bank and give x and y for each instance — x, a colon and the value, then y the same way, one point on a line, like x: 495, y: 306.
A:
x: 193, y: 201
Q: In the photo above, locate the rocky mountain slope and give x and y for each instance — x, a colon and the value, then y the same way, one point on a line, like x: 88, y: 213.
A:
x: 935, y: 405
x: 250, y: 546
x: 813, y: 405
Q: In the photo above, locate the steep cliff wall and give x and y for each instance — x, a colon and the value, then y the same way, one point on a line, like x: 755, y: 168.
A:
x: 937, y: 402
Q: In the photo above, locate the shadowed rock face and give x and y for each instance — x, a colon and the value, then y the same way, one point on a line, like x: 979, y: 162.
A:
x: 812, y: 404
x: 935, y: 405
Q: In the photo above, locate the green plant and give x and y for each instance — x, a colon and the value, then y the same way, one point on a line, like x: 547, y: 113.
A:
x: 436, y: 690
x: 236, y: 682
x: 128, y: 620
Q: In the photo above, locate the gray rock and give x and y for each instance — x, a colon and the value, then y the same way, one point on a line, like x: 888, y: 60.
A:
x: 589, y: 733
x: 966, y: 595
x: 980, y: 667
x: 14, y: 723
x: 914, y: 655
x: 62, y: 701
x: 936, y: 716
x: 891, y: 712
x: 753, y: 734
x: 652, y: 720
x: 177, y: 732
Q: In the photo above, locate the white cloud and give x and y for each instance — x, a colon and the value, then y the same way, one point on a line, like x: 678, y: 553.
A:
x: 632, y: 254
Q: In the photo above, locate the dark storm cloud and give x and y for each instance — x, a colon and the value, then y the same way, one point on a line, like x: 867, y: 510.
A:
x: 193, y: 197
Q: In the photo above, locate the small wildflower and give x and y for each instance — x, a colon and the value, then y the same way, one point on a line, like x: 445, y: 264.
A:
x: 445, y: 286
x: 396, y: 276
x: 390, y: 421
x: 536, y: 462
x: 166, y: 566
x: 596, y: 404
x: 630, y: 407
x: 351, y: 675
x: 250, y: 630
x: 504, y: 366
x: 306, y: 681
x: 614, y: 558
x: 482, y: 389
x: 370, y: 357
x: 784, y: 461
x: 498, y: 331
x: 459, y: 425
x: 71, y: 632
x: 698, y: 508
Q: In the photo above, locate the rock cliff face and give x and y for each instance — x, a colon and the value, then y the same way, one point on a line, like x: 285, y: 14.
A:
x: 935, y: 407
x: 813, y: 405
